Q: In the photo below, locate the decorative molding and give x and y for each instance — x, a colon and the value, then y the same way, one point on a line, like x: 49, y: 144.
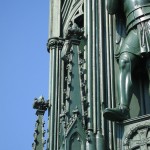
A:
x: 135, y: 120
x: 75, y: 127
x: 69, y: 10
x: 138, y: 137
x: 52, y: 43
x: 60, y: 43
x: 55, y: 42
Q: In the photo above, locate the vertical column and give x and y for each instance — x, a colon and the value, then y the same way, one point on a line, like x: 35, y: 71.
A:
x: 89, y: 63
x: 94, y: 65
x: 54, y: 47
x: 90, y: 145
x: 96, y: 27
x: 101, y: 44
x: 110, y: 74
x: 58, y: 106
x: 54, y: 80
x: 108, y: 78
x: 99, y: 37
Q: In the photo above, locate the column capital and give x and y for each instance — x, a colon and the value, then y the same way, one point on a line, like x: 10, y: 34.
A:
x: 55, y: 42
x: 52, y: 43
x: 60, y: 43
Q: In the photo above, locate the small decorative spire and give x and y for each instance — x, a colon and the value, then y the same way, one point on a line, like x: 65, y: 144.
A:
x: 41, y: 105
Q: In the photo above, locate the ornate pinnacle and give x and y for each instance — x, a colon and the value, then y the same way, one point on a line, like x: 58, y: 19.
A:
x: 41, y: 105
x: 74, y: 31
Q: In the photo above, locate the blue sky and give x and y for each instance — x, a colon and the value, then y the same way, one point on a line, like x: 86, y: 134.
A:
x: 24, y: 69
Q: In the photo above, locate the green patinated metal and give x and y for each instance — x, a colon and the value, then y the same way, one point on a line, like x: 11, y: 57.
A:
x: 99, y: 96
x: 132, y: 51
x: 39, y: 133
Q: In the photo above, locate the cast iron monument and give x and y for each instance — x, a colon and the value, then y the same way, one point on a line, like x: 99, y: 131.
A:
x: 134, y: 49
x: 88, y: 86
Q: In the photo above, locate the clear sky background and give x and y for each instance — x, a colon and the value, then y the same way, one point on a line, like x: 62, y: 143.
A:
x: 24, y: 69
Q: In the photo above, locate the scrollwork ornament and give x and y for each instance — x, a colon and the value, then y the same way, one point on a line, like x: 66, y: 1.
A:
x: 52, y: 44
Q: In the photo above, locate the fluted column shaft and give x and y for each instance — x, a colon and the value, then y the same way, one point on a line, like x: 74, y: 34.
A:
x: 54, y: 47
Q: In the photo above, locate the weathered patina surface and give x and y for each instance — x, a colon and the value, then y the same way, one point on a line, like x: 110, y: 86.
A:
x: 133, y: 51
x: 84, y: 37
